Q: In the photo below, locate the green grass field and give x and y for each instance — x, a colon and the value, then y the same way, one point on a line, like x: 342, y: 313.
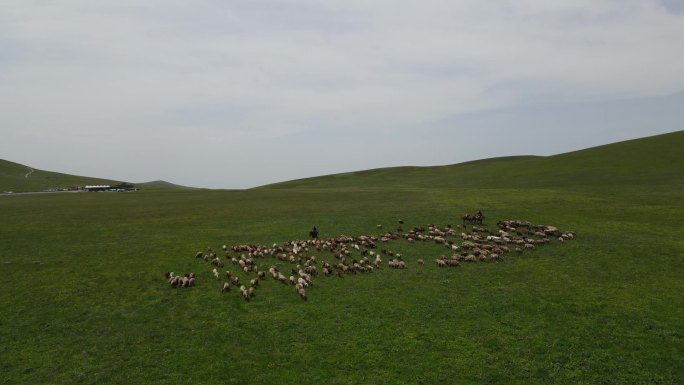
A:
x: 84, y: 300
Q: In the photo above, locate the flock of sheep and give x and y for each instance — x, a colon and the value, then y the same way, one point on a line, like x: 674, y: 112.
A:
x: 362, y: 254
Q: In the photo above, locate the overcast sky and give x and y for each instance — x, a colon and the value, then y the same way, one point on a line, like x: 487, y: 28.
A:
x: 235, y: 94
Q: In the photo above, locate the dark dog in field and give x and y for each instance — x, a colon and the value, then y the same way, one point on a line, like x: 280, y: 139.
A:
x: 313, y: 233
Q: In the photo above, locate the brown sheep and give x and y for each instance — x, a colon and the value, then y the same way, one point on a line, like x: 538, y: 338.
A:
x: 302, y: 293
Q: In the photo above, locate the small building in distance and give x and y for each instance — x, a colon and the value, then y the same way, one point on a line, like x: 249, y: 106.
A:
x: 104, y: 187
x: 119, y: 187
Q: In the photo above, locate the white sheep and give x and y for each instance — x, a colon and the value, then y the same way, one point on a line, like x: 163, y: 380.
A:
x: 244, y: 293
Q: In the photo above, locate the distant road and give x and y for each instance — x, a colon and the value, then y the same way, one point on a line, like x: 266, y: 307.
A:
x: 39, y: 192
x: 29, y: 173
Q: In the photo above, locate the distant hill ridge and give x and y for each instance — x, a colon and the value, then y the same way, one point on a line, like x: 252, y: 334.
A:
x: 161, y: 184
x: 656, y: 160
x: 17, y: 177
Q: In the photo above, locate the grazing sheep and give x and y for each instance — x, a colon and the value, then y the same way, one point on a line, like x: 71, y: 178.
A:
x: 397, y: 264
x: 302, y: 293
x: 480, y: 244
x: 226, y: 287
x: 184, y: 282
x: 244, y: 293
x: 282, y: 278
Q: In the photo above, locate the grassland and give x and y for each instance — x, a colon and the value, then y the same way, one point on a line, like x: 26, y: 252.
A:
x: 84, y: 301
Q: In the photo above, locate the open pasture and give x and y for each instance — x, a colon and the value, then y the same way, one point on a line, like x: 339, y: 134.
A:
x: 84, y: 299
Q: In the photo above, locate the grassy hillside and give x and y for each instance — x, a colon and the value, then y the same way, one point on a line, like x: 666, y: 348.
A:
x: 19, y: 178
x: 85, y: 300
x: 161, y: 185
x: 654, y: 159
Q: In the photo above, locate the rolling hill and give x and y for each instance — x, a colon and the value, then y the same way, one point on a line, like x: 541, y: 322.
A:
x: 17, y: 177
x: 656, y: 159
x: 162, y: 185
x: 20, y: 178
